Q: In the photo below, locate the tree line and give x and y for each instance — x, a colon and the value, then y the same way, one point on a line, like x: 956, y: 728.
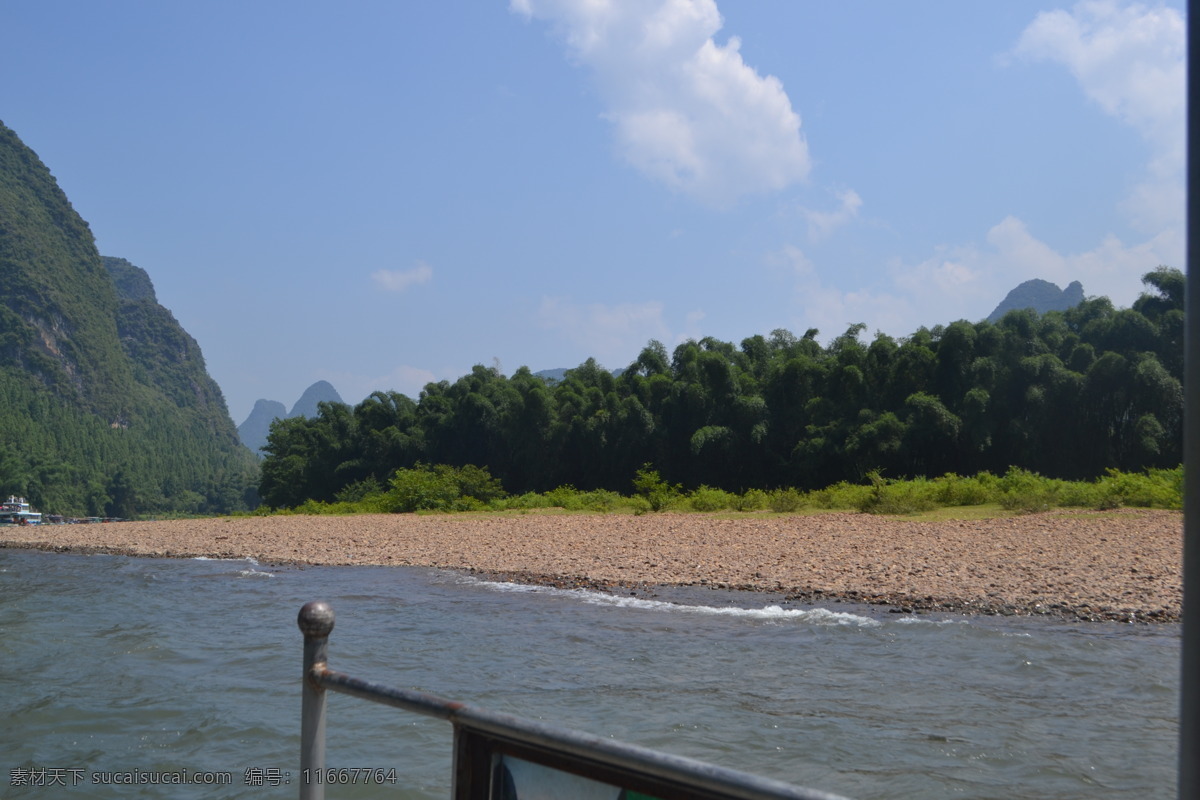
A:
x: 1066, y: 394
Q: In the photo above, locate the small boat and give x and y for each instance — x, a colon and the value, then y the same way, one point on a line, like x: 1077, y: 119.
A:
x: 15, y: 511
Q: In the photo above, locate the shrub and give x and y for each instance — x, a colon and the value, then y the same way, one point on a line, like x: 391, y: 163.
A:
x: 317, y: 508
x: 955, y: 490
x: 1080, y: 494
x: 420, y: 488
x: 525, y: 501
x: 562, y: 497
x: 785, y: 501
x: 473, y: 481
x: 649, y: 485
x: 1155, y: 488
x: 467, y: 503
x: 897, y: 497
x: 573, y: 499
x: 707, y: 498
x: 599, y: 500
x: 1022, y: 490
x: 842, y: 494
x: 752, y: 500
x: 442, y: 488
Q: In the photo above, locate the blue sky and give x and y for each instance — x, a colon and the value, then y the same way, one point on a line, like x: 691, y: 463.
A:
x: 381, y: 194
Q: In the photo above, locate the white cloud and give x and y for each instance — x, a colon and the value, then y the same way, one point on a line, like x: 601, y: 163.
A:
x: 822, y: 223
x: 399, y: 280
x: 614, y: 335
x: 686, y: 111
x: 1130, y: 60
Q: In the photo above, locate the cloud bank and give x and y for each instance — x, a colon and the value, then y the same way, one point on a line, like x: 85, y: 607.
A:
x: 686, y: 111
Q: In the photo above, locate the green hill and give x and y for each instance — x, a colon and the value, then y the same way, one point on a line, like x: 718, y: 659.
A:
x: 106, y: 407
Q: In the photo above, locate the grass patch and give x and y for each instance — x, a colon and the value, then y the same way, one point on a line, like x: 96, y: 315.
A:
x: 964, y: 513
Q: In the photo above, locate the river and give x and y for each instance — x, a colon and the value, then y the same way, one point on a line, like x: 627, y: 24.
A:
x: 120, y: 668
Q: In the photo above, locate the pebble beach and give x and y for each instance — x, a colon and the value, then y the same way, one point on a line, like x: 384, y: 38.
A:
x: 1123, y: 565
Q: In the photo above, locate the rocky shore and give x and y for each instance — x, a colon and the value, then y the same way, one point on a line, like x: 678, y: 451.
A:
x: 1118, y: 565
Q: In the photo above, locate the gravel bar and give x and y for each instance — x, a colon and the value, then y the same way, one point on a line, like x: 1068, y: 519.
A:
x: 1116, y: 565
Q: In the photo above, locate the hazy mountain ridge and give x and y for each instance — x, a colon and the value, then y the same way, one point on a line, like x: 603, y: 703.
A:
x: 319, y: 392
x: 254, y: 431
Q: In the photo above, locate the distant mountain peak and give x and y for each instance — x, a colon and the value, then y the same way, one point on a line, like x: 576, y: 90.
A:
x: 254, y: 430
x: 319, y: 392
x: 1041, y: 296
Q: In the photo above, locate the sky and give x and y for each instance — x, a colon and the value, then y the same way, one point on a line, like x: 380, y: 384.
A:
x: 382, y: 194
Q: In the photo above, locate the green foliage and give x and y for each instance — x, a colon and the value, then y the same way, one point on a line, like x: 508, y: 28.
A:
x: 1155, y: 488
x: 526, y: 502
x: 752, y: 500
x: 841, y: 495
x: 475, y: 482
x: 657, y: 493
x: 1025, y: 491
x: 599, y: 500
x: 786, y: 501
x: 955, y: 490
x: 359, y: 490
x: 707, y: 498
x: 444, y: 488
x: 898, y: 497
x: 318, y: 508
x: 572, y: 499
x: 441, y: 488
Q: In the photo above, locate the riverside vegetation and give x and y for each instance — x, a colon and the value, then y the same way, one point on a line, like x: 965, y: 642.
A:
x: 443, y: 488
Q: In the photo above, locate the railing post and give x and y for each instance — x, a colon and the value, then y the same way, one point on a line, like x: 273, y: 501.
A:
x: 316, y: 622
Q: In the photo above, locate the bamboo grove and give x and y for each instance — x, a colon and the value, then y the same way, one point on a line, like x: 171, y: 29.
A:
x: 1065, y: 394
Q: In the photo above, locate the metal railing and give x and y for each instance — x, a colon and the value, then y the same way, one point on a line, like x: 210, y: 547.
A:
x: 496, y: 755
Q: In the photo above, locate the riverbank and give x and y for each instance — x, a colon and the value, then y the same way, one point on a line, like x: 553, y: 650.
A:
x: 1120, y: 565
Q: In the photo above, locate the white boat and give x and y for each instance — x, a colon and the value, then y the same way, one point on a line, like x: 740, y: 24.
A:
x: 15, y: 511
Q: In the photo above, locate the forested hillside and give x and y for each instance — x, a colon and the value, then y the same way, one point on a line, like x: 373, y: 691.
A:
x: 1067, y: 394
x: 105, y: 405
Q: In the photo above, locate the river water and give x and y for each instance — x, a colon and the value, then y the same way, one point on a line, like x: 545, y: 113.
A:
x: 120, y: 668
